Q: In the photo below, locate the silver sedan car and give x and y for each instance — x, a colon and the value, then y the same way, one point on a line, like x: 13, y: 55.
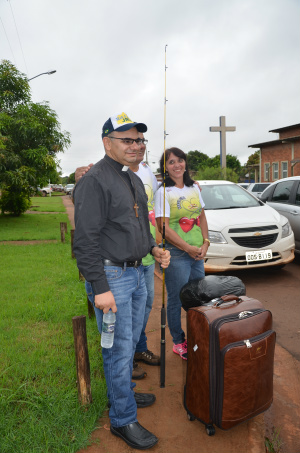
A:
x: 284, y: 196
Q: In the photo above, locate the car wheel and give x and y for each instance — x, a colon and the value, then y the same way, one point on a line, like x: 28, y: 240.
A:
x: 44, y: 193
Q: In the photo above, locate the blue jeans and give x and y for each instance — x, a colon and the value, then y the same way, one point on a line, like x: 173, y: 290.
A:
x: 181, y: 270
x: 149, y: 280
x: 129, y: 290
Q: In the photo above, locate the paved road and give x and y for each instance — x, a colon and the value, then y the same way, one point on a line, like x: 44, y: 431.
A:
x: 279, y: 291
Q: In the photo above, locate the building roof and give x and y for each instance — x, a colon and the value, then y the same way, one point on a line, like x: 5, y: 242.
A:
x: 276, y: 142
x: 287, y: 128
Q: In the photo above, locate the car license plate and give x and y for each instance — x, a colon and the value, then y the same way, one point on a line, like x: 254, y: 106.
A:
x: 259, y: 255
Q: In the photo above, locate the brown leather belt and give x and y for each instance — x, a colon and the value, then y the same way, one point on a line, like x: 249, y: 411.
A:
x: 136, y: 263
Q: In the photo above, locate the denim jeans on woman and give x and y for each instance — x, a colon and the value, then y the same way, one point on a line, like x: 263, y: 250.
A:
x: 181, y: 270
x: 129, y: 290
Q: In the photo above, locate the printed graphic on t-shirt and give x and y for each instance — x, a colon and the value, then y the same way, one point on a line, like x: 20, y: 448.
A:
x: 188, y: 213
x: 184, y: 210
x: 150, y: 195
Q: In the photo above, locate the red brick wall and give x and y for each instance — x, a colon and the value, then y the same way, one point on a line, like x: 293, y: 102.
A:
x: 289, y: 133
x: 280, y: 153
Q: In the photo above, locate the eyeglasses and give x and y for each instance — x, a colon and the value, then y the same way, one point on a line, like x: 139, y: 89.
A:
x: 129, y: 141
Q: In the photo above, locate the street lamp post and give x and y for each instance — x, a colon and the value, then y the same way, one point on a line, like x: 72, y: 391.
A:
x: 48, y: 72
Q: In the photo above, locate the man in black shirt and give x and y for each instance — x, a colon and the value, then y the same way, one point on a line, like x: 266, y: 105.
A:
x: 112, y: 236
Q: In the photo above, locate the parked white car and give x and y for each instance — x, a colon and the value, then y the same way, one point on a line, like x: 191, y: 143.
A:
x: 68, y: 189
x: 243, y: 231
x: 284, y: 196
x: 256, y: 188
x: 45, y: 191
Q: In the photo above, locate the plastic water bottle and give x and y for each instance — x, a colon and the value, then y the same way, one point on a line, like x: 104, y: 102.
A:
x: 108, y: 329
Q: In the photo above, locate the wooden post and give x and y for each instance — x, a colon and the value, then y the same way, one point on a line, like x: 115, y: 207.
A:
x: 63, y: 230
x: 82, y: 360
x: 72, y: 242
x: 91, y: 311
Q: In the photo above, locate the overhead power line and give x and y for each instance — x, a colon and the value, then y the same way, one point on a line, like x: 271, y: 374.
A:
x: 18, y: 35
x: 8, y: 41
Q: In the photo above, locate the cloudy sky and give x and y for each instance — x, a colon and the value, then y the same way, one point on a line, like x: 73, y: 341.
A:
x: 234, y: 58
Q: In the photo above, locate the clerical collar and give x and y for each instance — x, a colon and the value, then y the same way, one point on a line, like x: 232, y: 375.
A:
x: 114, y: 163
x: 116, y: 166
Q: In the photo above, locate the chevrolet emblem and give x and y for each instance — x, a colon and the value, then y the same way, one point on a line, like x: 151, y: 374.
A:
x: 257, y: 234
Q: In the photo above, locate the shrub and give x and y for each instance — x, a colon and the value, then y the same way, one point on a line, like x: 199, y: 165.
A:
x: 217, y: 173
x: 14, y: 202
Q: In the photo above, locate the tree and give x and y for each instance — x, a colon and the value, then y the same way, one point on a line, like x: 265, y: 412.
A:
x: 196, y: 159
x: 217, y: 173
x: 30, y: 138
x: 231, y: 162
x: 64, y: 180
x: 71, y: 179
x: 253, y: 159
x: 55, y: 176
x: 14, y: 87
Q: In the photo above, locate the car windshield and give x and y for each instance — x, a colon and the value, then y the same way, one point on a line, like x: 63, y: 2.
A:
x: 226, y: 196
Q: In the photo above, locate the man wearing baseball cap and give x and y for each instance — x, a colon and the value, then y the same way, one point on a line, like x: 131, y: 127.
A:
x: 112, y: 236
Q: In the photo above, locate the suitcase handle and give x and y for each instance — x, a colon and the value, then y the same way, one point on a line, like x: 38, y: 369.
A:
x: 228, y: 298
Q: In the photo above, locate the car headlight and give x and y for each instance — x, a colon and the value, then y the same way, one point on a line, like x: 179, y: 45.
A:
x: 286, y: 230
x: 216, y: 237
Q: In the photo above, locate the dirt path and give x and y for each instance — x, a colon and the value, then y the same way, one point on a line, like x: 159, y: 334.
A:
x: 46, y: 241
x: 69, y: 208
x: 167, y: 418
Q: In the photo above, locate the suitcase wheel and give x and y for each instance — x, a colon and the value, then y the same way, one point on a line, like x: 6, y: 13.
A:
x: 191, y: 417
x: 210, y: 430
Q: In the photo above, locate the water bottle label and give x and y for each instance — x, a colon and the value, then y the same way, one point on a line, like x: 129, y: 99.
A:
x: 108, y: 328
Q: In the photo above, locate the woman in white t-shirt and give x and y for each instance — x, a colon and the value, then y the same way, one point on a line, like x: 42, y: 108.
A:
x: 186, y: 234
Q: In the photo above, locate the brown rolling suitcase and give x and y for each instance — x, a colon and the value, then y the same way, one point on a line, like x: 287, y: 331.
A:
x: 230, y: 362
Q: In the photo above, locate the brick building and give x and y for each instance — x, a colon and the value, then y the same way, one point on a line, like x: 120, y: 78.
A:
x: 280, y: 158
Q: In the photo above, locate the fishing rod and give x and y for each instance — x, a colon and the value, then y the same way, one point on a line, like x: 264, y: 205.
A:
x: 163, y: 309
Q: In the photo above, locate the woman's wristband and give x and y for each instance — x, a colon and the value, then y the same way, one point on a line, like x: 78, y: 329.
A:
x: 207, y: 240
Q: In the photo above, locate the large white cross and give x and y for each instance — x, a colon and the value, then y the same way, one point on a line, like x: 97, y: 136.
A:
x: 222, y: 129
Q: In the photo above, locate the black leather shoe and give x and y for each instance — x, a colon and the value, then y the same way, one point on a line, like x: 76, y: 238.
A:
x: 135, y: 436
x: 144, y: 399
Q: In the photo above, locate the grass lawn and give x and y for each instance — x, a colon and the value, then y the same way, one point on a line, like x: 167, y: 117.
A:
x: 57, y: 194
x: 47, y: 204
x: 29, y: 227
x: 40, y: 293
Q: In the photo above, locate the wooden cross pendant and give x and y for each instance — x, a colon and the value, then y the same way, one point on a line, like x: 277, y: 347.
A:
x: 135, y: 207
